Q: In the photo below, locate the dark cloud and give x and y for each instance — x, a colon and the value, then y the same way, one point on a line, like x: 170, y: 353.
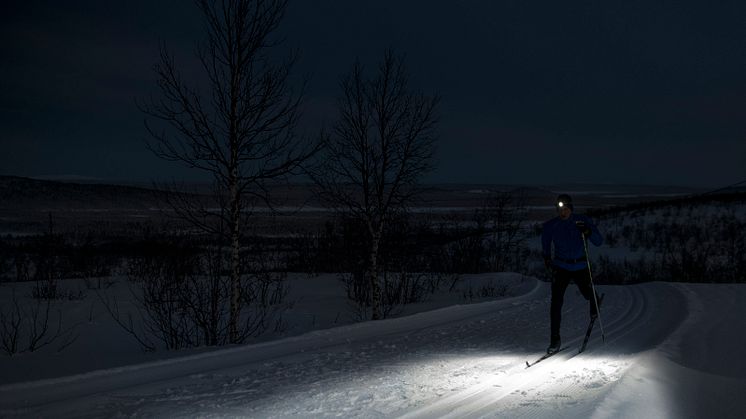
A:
x: 539, y: 92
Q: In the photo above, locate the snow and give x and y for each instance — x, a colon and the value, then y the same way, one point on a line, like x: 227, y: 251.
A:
x: 670, y: 352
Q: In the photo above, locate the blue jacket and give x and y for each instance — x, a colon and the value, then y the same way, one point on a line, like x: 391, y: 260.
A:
x: 568, y: 242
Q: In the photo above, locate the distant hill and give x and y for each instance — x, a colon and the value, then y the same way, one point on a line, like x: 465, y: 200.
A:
x: 26, y: 193
x: 721, y: 196
x: 21, y: 193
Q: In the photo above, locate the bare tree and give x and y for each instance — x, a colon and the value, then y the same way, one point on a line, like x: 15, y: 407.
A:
x: 381, y: 145
x: 503, y: 217
x: 241, y: 132
x: 31, y: 324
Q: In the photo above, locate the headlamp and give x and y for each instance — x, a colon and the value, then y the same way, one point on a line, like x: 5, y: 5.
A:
x: 560, y: 204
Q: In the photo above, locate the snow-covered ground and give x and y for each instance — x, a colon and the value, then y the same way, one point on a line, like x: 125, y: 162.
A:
x: 671, y: 351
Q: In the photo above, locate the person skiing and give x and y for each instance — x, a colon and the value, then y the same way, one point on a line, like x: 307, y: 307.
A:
x: 567, y: 232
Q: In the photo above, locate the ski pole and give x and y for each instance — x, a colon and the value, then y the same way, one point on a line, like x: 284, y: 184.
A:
x: 593, y: 289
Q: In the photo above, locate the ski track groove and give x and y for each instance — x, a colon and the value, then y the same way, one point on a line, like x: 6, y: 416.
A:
x: 480, y: 401
x: 83, y: 391
x: 625, y: 324
x: 513, y: 391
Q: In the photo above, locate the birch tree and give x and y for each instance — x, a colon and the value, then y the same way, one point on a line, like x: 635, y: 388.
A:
x: 377, y: 152
x: 240, y: 129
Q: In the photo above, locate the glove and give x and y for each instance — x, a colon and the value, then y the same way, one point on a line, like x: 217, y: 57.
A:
x: 584, y: 229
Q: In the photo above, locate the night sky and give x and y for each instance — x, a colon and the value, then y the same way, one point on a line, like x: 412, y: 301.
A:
x: 536, y: 92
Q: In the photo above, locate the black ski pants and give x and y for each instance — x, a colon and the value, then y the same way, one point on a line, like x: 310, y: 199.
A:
x: 561, y: 280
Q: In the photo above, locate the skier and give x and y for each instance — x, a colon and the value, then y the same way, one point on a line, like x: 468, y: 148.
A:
x: 567, y: 232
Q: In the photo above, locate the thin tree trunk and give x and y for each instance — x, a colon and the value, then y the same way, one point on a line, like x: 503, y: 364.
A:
x: 235, y: 264
x: 375, y: 288
x: 235, y: 212
x: 215, y: 297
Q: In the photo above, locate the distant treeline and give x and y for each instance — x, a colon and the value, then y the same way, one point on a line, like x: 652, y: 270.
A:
x: 696, y: 238
x: 688, y: 200
x: 445, y: 246
x: 693, y: 239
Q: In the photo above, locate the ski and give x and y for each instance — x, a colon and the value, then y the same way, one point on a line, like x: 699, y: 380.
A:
x: 590, y: 327
x: 545, y: 356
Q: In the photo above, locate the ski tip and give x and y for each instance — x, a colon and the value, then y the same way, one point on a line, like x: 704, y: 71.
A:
x: 528, y: 365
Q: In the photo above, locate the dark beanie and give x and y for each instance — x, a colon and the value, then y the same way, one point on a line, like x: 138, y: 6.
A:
x: 565, y: 200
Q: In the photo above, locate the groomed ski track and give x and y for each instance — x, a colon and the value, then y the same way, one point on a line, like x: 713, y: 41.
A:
x: 461, y: 361
x: 488, y: 399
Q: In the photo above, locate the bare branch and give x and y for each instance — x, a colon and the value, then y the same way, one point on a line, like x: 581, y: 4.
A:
x: 242, y: 132
x: 381, y: 146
